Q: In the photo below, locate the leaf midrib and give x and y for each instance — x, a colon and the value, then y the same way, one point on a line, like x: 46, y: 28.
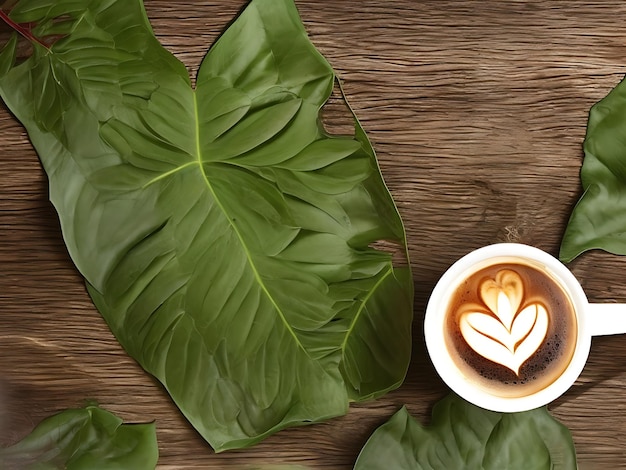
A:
x: 236, y: 230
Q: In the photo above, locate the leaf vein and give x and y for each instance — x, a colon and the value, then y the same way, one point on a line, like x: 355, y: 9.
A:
x: 362, y: 307
x: 168, y: 173
x: 237, y: 232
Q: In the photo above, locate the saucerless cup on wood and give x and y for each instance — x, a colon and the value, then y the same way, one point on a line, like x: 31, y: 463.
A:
x: 508, y: 327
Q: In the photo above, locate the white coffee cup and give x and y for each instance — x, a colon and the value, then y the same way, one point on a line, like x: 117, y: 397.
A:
x: 592, y: 320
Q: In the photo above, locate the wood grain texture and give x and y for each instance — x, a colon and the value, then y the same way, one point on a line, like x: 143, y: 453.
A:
x: 477, y: 111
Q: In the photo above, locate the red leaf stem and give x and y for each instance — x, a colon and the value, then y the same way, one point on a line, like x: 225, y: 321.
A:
x: 22, y: 30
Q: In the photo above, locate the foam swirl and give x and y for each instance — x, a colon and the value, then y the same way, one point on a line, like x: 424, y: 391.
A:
x: 498, y: 329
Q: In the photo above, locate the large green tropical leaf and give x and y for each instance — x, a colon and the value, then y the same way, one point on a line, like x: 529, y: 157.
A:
x: 462, y: 435
x: 229, y: 242
x: 599, y: 219
x: 84, y: 439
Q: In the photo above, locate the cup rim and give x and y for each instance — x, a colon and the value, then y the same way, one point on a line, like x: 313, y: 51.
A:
x: 443, y: 363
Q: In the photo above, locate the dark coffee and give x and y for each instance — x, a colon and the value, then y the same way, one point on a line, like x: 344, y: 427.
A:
x: 511, y: 328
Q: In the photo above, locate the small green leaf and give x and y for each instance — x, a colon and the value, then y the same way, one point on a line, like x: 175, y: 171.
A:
x: 598, y: 221
x: 84, y: 439
x: 462, y: 435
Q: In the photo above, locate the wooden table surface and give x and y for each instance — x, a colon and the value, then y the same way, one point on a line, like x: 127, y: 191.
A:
x: 477, y: 111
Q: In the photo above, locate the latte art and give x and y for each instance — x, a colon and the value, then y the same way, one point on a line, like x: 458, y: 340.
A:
x: 499, y: 329
x: 510, y: 327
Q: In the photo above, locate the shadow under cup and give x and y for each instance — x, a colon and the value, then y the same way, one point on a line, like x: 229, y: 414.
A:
x: 506, y: 327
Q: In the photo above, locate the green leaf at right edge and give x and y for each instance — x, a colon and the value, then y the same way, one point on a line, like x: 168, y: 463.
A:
x: 599, y: 219
x: 87, y: 438
x: 462, y: 435
x: 230, y: 243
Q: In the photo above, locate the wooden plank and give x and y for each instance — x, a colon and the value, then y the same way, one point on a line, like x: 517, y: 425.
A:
x: 477, y: 111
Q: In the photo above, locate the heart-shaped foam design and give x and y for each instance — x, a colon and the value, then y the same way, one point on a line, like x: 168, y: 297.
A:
x: 499, y: 330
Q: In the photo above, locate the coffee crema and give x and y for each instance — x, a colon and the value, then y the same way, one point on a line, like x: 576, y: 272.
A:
x: 510, y: 327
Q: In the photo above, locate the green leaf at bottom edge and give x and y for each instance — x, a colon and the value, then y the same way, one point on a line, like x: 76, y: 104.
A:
x: 462, y: 435
x: 84, y: 438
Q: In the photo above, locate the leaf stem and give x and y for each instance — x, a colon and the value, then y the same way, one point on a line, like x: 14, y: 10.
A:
x: 21, y: 30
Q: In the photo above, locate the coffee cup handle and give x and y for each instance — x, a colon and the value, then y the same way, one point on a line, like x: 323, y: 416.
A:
x: 606, y: 319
